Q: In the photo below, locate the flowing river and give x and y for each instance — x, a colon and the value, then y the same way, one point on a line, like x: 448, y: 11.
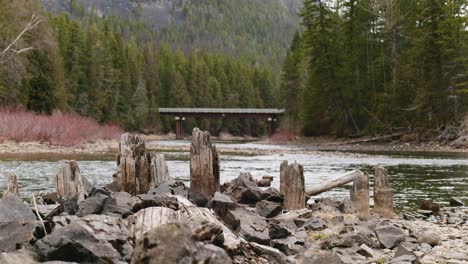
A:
x: 414, y: 176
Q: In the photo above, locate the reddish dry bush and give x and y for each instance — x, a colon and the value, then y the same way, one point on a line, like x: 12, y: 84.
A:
x: 58, y: 128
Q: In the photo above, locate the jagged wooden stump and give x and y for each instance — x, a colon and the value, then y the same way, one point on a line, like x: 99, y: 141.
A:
x: 69, y: 182
x: 12, y: 188
x: 292, y: 186
x: 360, y: 194
x: 159, y: 170
x: 133, y: 163
x: 383, y: 194
x: 204, y: 164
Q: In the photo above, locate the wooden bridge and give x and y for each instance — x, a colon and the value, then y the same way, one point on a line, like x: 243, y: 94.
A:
x: 271, y: 115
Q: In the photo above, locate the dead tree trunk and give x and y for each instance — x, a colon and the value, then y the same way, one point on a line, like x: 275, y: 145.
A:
x: 204, y: 164
x: 159, y: 171
x: 333, y: 183
x: 292, y: 185
x: 383, y: 194
x: 134, y: 174
x: 69, y: 182
x: 360, y: 194
x: 12, y: 186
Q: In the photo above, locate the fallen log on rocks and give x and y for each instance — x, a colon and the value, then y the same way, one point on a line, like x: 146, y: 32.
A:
x: 333, y: 183
x: 68, y: 181
x: 292, y: 186
x: 204, y: 164
x: 12, y: 188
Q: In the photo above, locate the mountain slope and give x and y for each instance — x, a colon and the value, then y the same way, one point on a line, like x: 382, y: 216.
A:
x: 259, y: 30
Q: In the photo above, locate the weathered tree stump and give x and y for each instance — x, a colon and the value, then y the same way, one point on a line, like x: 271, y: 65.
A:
x: 134, y: 172
x: 360, y: 194
x: 383, y: 194
x: 69, y: 182
x: 204, y: 164
x: 292, y: 186
x: 12, y: 188
x: 159, y: 170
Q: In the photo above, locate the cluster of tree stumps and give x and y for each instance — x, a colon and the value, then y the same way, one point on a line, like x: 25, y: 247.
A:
x: 145, y: 216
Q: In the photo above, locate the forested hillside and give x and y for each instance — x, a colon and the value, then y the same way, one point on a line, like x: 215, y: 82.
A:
x: 364, y: 66
x: 258, y: 30
x: 97, y: 69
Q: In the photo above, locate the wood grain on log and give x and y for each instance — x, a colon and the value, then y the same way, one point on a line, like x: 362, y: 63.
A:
x: 204, y: 164
x: 134, y: 174
x: 69, y: 182
x: 292, y: 185
x: 383, y: 194
x: 159, y: 170
x: 360, y: 194
x: 333, y: 183
x: 12, y: 188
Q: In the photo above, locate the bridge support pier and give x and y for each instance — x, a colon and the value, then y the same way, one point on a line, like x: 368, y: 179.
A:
x: 179, y: 127
x: 271, y: 126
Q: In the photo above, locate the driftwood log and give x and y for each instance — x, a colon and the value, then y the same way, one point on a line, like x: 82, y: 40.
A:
x: 133, y: 163
x: 333, y: 183
x: 383, y: 194
x: 69, y: 182
x: 159, y: 170
x: 12, y: 188
x: 292, y: 185
x: 360, y: 194
x: 204, y: 164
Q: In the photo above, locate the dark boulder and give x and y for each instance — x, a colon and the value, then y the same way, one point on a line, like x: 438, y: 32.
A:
x: 456, y: 202
x: 272, y: 195
x: 221, y: 204
x: 198, y: 198
x: 157, y: 200
x: 172, y: 243
x: 170, y: 187
x: 121, y: 203
x: 277, y: 230
x: 92, y: 205
x: 75, y: 243
x: 315, y: 224
x: 389, y: 236
x: 268, y: 209
x: 17, y: 223
x: 244, y: 189
x: 250, y: 225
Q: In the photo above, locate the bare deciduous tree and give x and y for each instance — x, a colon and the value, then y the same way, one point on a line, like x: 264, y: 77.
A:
x: 33, y: 22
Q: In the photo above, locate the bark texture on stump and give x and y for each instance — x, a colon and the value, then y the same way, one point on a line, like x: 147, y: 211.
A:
x: 383, y: 194
x: 204, y: 164
x: 159, y: 170
x: 12, y: 188
x: 292, y: 185
x: 69, y: 182
x: 360, y: 194
x: 134, y: 174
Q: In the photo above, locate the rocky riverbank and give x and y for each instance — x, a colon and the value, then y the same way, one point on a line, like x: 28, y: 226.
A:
x: 240, y: 224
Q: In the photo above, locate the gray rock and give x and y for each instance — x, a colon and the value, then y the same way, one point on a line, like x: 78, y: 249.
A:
x: 289, y: 246
x: 244, y: 189
x: 221, y: 204
x: 22, y: 256
x: 404, y: 259
x: 347, y: 207
x: 121, y: 203
x: 156, y: 200
x: 389, y: 236
x: 17, y: 223
x: 456, y: 202
x: 272, y: 195
x: 74, y: 243
x: 428, y: 237
x: 268, y: 209
x: 170, y: 187
x: 454, y: 220
x: 92, y: 205
x: 349, y: 256
x: 172, y: 243
x: 426, y: 213
x: 264, y: 183
x: 277, y: 230
x: 336, y: 241
x: 366, y: 251
x: 251, y: 226
x: 273, y: 255
x: 325, y: 258
x: 198, y: 198
x: 315, y: 224
x: 404, y: 249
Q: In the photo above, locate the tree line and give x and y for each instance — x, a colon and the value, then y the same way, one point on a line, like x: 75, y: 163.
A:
x: 91, y: 69
x: 361, y: 67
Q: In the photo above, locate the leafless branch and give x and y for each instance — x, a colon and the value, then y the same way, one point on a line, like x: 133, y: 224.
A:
x: 33, y: 22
